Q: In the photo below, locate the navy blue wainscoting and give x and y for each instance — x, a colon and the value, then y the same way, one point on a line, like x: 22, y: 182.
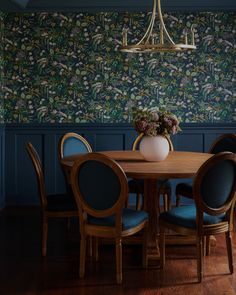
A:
x: 20, y: 180
x: 2, y: 165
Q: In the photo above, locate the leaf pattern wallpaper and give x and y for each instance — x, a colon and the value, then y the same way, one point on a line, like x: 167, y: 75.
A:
x: 1, y: 70
x: 67, y: 68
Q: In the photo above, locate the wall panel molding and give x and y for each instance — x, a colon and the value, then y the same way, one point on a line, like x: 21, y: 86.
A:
x: 20, y: 180
x: 2, y: 166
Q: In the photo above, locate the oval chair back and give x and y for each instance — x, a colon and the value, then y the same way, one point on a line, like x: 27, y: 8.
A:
x: 135, y: 145
x: 215, y: 185
x: 39, y: 173
x: 72, y: 143
x: 224, y: 143
x: 99, y: 186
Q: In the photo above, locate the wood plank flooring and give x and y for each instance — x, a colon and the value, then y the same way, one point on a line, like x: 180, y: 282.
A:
x: 23, y: 271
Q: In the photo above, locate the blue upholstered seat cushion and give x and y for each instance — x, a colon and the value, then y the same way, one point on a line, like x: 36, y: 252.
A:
x: 130, y: 219
x: 61, y: 202
x: 185, y: 216
x: 137, y: 185
x: 184, y: 189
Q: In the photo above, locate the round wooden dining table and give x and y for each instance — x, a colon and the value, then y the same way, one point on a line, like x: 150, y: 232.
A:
x: 176, y: 165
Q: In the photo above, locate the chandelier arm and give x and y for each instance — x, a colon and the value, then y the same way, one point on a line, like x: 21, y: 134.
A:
x: 148, y: 33
x: 163, y: 24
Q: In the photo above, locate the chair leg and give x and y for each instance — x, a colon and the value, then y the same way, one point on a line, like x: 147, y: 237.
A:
x: 162, y: 247
x: 138, y: 201
x: 229, y: 251
x: 167, y: 201
x: 208, y: 245
x: 118, y: 261
x: 204, y: 246
x: 82, y: 256
x: 44, y: 236
x: 90, y: 246
x: 95, y: 250
x: 177, y: 200
x: 199, y: 258
x: 158, y: 203
x: 145, y: 246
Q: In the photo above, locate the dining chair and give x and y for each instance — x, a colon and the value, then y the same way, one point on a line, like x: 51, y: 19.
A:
x: 100, y: 188
x: 226, y: 142
x: 212, y: 212
x: 52, y: 206
x: 69, y: 144
x: 136, y: 186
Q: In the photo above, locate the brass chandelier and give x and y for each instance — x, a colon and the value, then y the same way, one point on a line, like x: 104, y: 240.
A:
x: 152, y: 42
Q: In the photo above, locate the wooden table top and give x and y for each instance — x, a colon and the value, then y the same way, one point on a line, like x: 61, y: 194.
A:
x: 176, y: 165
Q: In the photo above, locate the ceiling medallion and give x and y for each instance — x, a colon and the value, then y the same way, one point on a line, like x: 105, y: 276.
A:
x: 152, y: 42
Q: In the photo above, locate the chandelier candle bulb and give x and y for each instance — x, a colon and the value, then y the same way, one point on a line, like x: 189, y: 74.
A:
x: 124, y: 34
x: 186, y: 38
x: 193, y: 37
x: 153, y: 39
x: 161, y: 35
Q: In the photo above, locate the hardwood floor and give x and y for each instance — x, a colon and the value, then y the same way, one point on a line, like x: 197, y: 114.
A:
x: 23, y: 271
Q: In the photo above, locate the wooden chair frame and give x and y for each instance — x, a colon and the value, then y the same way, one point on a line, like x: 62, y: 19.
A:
x: 214, y: 144
x: 202, y: 230
x: 65, y: 137
x: 43, y: 198
x: 116, y: 232
x: 162, y: 191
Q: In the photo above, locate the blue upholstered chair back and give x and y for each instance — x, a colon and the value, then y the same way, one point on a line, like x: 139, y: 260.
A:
x: 225, y: 143
x: 217, y: 181
x: 99, y: 185
x: 73, y: 145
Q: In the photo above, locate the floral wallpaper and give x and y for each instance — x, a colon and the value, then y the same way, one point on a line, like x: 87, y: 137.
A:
x: 1, y: 69
x: 67, y: 67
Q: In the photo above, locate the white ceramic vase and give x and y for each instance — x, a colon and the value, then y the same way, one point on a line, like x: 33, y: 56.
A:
x: 154, y: 148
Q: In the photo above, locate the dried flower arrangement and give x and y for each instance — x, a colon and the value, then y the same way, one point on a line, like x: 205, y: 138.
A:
x: 153, y: 122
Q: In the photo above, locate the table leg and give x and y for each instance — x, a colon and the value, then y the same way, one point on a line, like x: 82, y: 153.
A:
x: 151, y: 206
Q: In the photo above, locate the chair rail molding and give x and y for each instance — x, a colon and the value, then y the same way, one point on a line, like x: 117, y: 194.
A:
x: 20, y: 180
